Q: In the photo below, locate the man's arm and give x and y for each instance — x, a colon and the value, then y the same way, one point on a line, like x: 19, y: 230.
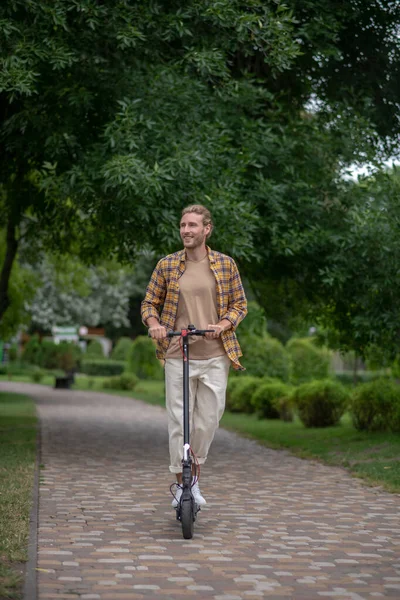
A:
x: 152, y: 303
x: 237, y: 306
x: 237, y: 302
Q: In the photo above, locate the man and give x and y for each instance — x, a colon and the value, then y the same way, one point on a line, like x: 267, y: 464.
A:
x: 201, y: 287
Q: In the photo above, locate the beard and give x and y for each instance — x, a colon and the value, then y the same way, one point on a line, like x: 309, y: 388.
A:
x: 194, y: 241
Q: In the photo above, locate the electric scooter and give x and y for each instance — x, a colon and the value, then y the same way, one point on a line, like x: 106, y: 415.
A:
x: 187, y: 508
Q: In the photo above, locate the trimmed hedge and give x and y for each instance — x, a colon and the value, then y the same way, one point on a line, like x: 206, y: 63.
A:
x: 321, y: 403
x: 126, y: 381
x: 266, y: 400
x: 121, y: 349
x: 48, y: 355
x: 308, y: 362
x: 240, y: 392
x: 103, y: 367
x: 264, y: 355
x: 375, y: 406
x: 94, y: 350
x: 142, y: 360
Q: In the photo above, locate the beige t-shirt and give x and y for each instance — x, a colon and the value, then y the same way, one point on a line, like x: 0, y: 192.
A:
x: 197, y: 306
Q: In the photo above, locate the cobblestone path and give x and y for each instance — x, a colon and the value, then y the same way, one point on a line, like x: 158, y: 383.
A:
x: 274, y: 527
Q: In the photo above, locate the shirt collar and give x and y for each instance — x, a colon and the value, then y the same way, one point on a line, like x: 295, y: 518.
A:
x: 211, y: 258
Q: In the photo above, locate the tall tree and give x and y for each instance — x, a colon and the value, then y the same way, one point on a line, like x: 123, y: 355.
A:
x: 116, y: 115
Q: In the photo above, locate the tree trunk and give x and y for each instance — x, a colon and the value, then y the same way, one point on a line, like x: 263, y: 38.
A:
x: 11, y: 252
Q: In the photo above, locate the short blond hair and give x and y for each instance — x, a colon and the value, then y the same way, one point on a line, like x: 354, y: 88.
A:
x: 199, y: 209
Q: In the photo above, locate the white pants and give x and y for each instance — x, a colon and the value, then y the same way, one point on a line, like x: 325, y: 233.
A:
x: 207, y: 386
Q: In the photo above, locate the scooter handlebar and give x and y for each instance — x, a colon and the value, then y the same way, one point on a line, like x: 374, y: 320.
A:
x: 190, y: 332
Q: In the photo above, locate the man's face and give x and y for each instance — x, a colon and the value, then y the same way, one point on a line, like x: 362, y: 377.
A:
x: 192, y: 230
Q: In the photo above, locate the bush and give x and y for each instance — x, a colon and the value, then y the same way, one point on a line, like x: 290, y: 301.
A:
x: 32, y: 350
x: 321, y: 403
x: 125, y: 381
x: 233, y: 381
x: 121, y: 350
x: 308, y: 362
x: 241, y: 392
x: 266, y: 400
x: 103, y: 367
x: 264, y: 355
x: 16, y: 368
x: 94, y: 350
x: 37, y: 375
x: 142, y: 360
x: 347, y: 377
x: 375, y: 406
x: 48, y: 355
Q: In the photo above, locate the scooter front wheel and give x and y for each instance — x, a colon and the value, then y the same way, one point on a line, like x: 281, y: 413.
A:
x: 187, y: 518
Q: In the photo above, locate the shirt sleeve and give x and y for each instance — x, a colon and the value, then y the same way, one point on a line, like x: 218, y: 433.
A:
x: 155, y: 295
x: 237, y: 302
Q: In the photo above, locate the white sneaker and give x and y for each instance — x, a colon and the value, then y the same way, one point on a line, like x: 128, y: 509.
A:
x: 177, y: 496
x: 198, y: 498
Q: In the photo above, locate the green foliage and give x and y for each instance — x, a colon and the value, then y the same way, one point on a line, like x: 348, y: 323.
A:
x: 102, y: 367
x: 121, y: 349
x: 375, y: 406
x: 31, y: 351
x: 307, y: 361
x: 21, y: 288
x: 94, y: 350
x: 255, y: 322
x: 395, y: 367
x: 267, y: 398
x: 320, y: 403
x: 240, y: 393
x: 348, y: 378
x: 252, y: 108
x: 48, y: 355
x: 13, y: 352
x: 37, y: 375
x: 264, y: 355
x: 142, y: 359
x: 17, y: 368
x: 125, y: 381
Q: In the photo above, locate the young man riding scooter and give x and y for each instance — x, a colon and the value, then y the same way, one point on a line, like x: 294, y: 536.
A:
x: 200, y: 286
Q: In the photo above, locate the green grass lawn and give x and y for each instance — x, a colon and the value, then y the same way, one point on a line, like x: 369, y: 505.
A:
x: 375, y: 457
x: 18, y: 425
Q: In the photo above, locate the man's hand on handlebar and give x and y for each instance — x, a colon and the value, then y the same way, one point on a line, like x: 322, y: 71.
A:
x: 218, y: 329
x: 157, y: 331
x: 223, y: 325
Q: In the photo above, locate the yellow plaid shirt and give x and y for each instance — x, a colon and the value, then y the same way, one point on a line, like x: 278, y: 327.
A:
x: 162, y: 295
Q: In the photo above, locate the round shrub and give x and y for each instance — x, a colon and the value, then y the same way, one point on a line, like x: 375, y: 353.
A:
x: 142, y: 360
x: 308, y: 362
x: 121, y: 349
x: 37, y: 375
x: 233, y: 381
x: 241, y: 393
x: 94, y: 350
x: 126, y: 382
x: 266, y: 399
x: 265, y: 355
x: 321, y: 403
x: 375, y: 406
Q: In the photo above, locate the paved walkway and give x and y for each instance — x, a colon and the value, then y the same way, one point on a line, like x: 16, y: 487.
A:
x: 274, y: 527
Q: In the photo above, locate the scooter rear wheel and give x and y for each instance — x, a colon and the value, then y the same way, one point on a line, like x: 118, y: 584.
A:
x: 187, y: 518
